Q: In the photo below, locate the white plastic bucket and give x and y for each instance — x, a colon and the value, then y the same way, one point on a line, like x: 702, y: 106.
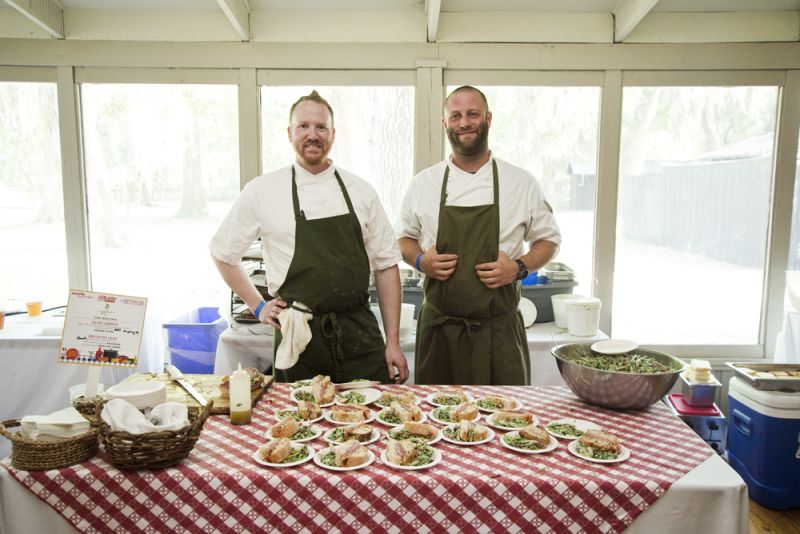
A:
x: 583, y: 316
x: 559, y: 307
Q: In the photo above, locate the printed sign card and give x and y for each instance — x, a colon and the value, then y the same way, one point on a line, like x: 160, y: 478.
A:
x: 102, y: 329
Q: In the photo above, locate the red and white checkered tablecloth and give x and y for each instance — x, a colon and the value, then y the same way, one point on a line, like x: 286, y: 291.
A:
x: 478, y: 488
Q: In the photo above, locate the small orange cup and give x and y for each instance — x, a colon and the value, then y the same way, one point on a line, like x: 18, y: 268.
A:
x: 34, y: 308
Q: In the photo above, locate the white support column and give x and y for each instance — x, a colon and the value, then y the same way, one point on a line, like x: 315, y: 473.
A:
x: 238, y: 14
x: 76, y: 222
x: 429, y: 94
x: 249, y: 130
x: 433, y: 9
x: 605, y: 215
x: 47, y: 14
x: 780, y: 222
x: 628, y: 14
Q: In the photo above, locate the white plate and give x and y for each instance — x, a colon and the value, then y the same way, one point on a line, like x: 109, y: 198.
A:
x: 437, y: 457
x: 279, y: 418
x: 376, y: 435
x: 580, y: 424
x: 328, y: 417
x: 311, y: 451
x: 416, y: 401
x: 490, y: 421
x: 487, y: 439
x: 317, y: 431
x: 430, y: 399
x: 442, y: 421
x: 552, y: 446
x: 370, y: 396
x: 624, y: 454
x: 317, y: 461
x: 528, y: 310
x: 614, y: 346
x: 381, y: 421
x: 436, y: 439
x: 517, y: 406
x: 294, y: 393
x: 357, y: 384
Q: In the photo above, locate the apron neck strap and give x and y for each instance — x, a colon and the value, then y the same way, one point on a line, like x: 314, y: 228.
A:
x: 443, y: 197
x: 298, y: 213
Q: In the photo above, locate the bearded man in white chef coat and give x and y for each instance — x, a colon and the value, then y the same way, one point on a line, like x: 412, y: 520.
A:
x: 322, y: 231
x: 465, y: 223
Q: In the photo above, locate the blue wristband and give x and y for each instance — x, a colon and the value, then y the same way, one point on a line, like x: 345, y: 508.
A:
x: 259, y: 308
x: 419, y: 256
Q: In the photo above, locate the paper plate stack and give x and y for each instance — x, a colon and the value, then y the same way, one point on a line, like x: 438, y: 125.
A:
x: 557, y: 272
x: 140, y: 394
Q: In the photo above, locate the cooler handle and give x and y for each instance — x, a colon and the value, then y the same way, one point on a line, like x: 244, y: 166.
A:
x: 741, y: 422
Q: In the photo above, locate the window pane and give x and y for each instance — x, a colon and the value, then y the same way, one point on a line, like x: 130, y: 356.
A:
x: 552, y: 133
x: 694, y: 198
x: 374, y: 134
x: 793, y: 278
x: 162, y: 169
x: 33, y: 246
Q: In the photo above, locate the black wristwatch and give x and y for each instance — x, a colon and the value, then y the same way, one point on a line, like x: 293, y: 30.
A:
x: 523, y: 270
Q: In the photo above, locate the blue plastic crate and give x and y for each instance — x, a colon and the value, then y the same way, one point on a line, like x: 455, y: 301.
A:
x: 192, y: 339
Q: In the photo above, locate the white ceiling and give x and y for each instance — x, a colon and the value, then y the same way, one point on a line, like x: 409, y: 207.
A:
x: 406, y: 21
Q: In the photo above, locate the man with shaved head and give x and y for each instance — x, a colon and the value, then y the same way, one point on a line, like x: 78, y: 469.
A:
x: 475, y: 225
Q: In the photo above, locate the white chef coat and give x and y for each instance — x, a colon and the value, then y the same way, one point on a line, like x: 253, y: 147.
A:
x: 524, y: 214
x: 264, y: 209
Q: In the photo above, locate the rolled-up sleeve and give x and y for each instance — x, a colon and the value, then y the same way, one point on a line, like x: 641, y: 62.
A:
x: 238, y: 230
x: 408, y: 221
x: 380, y: 243
x: 542, y: 223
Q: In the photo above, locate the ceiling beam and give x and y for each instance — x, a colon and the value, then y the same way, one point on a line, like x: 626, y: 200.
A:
x: 238, y: 14
x: 434, y: 8
x: 47, y: 14
x: 628, y: 14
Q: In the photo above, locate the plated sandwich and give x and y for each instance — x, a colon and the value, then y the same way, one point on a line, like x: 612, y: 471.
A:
x: 409, y: 452
x: 496, y: 402
x: 286, y: 428
x: 388, y: 397
x: 512, y: 419
x: 281, y: 451
x: 399, y: 413
x: 322, y: 389
x: 351, y: 453
x: 466, y: 411
x: 450, y: 397
x: 350, y: 414
x: 358, y: 431
x: 306, y: 411
x: 530, y: 437
x: 410, y: 430
x: 599, y: 445
x: 467, y: 432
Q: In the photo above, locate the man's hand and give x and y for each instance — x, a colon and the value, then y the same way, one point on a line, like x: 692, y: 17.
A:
x: 270, y: 311
x: 438, y: 266
x: 396, y: 364
x: 498, y: 273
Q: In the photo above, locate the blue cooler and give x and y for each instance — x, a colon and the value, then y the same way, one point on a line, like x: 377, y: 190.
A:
x: 764, y: 443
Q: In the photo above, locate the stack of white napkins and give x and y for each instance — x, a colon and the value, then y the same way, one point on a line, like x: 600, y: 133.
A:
x: 64, y: 423
x: 699, y: 372
x: 123, y: 416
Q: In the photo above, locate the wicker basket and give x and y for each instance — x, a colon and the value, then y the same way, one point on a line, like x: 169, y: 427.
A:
x: 153, y: 450
x: 36, y: 455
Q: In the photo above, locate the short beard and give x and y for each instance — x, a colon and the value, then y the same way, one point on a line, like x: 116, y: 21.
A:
x: 480, y: 144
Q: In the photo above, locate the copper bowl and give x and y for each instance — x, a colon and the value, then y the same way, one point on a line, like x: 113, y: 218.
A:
x: 614, y: 389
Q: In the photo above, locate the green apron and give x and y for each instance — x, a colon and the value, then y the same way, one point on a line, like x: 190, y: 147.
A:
x: 466, y: 332
x: 329, y: 274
